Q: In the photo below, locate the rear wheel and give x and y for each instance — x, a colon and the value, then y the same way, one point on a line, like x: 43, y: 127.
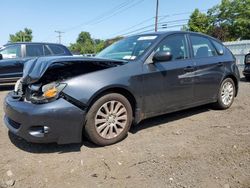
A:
x: 109, y: 119
x: 226, y: 94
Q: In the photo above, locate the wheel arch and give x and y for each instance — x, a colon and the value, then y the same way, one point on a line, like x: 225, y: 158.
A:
x: 120, y: 90
x: 236, y: 83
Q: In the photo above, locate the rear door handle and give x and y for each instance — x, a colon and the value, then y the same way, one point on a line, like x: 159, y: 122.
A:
x: 189, y: 69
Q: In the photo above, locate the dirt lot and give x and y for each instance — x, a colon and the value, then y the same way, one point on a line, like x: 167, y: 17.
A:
x: 200, y: 147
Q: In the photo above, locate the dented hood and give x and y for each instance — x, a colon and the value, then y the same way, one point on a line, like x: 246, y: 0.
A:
x: 35, y: 68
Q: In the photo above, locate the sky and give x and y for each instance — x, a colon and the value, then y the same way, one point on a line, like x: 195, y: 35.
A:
x: 102, y: 18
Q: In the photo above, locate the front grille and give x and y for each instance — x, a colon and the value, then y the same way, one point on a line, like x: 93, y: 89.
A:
x: 13, y: 123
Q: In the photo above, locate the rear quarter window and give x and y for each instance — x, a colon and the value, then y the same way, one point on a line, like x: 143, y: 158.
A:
x: 219, y: 47
x: 57, y: 50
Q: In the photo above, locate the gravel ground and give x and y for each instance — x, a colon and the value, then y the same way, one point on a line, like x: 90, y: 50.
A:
x: 200, y: 147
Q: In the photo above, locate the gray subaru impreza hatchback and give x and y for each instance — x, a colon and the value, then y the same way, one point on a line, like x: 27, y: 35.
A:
x: 60, y: 99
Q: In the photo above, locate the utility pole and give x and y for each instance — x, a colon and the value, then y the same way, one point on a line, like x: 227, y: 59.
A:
x: 59, y: 36
x: 156, y: 15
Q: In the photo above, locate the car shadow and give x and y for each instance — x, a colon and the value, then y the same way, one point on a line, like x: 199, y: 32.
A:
x: 47, y: 148
x: 6, y: 87
x: 55, y: 148
x: 243, y: 79
x: 167, y: 118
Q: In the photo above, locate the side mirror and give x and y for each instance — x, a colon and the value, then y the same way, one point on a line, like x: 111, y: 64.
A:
x: 1, y: 56
x: 162, y: 56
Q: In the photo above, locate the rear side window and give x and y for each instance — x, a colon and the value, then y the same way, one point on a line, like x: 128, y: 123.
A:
x: 34, y: 50
x: 202, y: 47
x: 57, y: 50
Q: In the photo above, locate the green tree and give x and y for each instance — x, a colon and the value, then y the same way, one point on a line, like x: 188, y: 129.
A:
x: 198, y: 22
x: 22, y: 36
x: 99, y: 45
x: 85, y: 44
x: 227, y: 21
x: 235, y: 14
x: 83, y: 37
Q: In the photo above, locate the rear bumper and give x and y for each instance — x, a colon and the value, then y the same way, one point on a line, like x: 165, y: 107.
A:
x: 58, y: 121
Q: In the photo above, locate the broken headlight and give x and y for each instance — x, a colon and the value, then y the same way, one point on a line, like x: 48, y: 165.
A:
x: 49, y: 92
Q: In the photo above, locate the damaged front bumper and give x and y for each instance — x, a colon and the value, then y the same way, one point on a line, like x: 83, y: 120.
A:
x: 59, y: 121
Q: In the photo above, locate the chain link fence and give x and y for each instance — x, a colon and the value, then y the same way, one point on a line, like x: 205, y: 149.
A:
x: 239, y: 49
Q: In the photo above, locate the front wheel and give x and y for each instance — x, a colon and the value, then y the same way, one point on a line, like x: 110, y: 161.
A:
x: 109, y: 119
x: 226, y: 94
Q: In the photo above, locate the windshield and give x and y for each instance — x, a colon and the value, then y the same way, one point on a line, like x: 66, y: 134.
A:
x: 129, y: 48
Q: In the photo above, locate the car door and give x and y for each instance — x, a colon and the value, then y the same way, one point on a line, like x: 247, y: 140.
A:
x: 168, y: 85
x: 209, y: 68
x: 11, y: 66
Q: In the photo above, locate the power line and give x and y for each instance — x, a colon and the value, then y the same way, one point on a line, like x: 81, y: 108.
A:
x: 121, y: 8
x: 148, y: 26
x: 179, y: 14
x: 160, y: 18
x: 112, y: 15
x: 172, y: 26
x: 125, y: 3
x: 151, y: 30
x: 104, y: 16
x: 59, y: 36
x: 100, y: 16
x: 164, y: 26
x: 121, y: 31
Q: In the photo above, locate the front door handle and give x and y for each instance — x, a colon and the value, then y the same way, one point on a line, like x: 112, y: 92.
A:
x: 189, y: 69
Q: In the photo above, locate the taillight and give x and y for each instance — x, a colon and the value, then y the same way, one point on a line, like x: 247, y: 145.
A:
x: 247, y: 59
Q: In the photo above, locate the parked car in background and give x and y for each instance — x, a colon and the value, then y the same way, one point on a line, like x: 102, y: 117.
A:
x: 246, y: 71
x: 14, y: 55
x: 60, y: 99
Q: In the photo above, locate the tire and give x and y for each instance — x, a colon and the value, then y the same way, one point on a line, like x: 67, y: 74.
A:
x: 108, y: 119
x: 226, y: 94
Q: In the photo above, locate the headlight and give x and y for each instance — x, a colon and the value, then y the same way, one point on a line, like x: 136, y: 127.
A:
x: 49, y: 93
x: 18, y: 90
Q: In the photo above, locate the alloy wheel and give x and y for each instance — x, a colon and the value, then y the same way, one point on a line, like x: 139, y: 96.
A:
x: 111, y: 119
x: 227, y: 93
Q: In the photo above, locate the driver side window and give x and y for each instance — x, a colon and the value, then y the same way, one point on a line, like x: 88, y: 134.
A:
x: 11, y: 52
x: 176, y: 45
